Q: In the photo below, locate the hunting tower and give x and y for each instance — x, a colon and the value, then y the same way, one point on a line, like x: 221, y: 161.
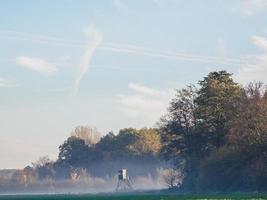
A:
x: 124, y: 183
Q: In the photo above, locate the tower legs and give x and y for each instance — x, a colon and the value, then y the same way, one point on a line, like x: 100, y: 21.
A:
x: 123, y: 186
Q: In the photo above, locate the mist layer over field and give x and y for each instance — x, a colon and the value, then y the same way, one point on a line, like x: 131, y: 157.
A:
x: 89, y: 163
x: 136, y: 196
x: 81, y: 181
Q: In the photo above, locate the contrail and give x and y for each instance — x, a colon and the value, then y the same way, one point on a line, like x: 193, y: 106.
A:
x: 43, y: 41
x: 139, y: 50
x: 95, y: 39
x: 177, y: 56
x: 36, y: 37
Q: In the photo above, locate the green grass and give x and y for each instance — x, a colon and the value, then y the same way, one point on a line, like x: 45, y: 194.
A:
x: 132, y: 197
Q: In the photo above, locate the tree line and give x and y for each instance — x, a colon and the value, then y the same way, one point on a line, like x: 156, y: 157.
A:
x: 213, y: 138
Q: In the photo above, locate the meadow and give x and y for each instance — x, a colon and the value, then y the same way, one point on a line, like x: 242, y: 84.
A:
x: 133, y: 196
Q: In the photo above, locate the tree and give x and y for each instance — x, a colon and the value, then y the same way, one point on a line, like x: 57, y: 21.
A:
x: 181, y: 141
x: 43, y: 160
x: 113, y: 147
x: 249, y: 127
x: 173, y: 178
x: 107, y: 142
x: 44, y: 167
x: 241, y: 163
x: 147, y: 142
x: 197, y: 123
x: 30, y: 175
x: 90, y: 135
x: 215, y: 106
x: 136, y: 150
x: 74, y: 152
x: 178, y: 135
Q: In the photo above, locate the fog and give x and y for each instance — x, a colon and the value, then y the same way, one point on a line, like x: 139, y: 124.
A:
x: 82, y: 181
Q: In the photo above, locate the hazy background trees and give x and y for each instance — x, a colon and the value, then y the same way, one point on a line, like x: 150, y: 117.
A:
x: 136, y: 150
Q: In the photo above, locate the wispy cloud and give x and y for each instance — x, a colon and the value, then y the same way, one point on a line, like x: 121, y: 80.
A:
x: 144, y: 90
x: 42, y: 39
x: 37, y: 64
x: 95, y: 38
x: 259, y: 41
x: 63, y: 89
x: 257, y: 70
x: 138, y: 105
x: 145, y: 102
x: 250, y: 7
x: 253, y: 72
x: 220, y: 47
x: 246, y: 8
x: 120, y: 5
x: 8, y: 82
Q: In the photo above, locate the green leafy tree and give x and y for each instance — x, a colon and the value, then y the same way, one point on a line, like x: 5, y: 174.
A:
x: 181, y: 141
x: 197, y: 123
x: 215, y: 106
x: 177, y: 127
x: 74, y: 152
x: 112, y: 147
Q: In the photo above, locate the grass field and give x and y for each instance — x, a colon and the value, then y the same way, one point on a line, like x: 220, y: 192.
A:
x: 132, y: 197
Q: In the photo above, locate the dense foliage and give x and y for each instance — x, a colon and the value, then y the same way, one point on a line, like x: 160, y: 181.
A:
x: 217, y: 133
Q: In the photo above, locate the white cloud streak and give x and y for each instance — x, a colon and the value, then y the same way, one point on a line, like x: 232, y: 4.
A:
x: 120, y: 5
x: 138, y: 105
x: 250, y: 7
x: 95, y: 38
x: 37, y: 64
x: 145, y: 103
x: 259, y: 41
x: 144, y: 90
x: 7, y: 82
x: 256, y: 71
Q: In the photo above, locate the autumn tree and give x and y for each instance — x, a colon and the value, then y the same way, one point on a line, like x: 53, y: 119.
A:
x: 241, y: 163
x: 147, y: 142
x: 249, y: 127
x: 89, y: 134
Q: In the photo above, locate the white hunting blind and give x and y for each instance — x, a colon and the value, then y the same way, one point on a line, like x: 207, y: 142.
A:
x: 124, y: 183
x: 122, y: 174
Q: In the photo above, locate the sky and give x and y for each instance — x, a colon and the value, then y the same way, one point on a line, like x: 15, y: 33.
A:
x: 113, y: 63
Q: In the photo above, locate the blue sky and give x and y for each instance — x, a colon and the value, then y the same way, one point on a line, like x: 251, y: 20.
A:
x: 113, y: 63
